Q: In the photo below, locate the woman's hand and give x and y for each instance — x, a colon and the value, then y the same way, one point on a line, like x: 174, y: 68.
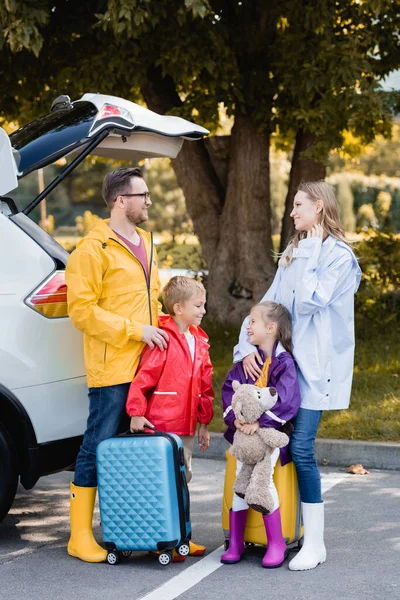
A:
x: 316, y: 231
x: 251, y: 367
x: 250, y: 428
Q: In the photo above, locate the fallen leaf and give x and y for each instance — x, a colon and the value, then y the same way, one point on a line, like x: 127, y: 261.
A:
x: 357, y: 470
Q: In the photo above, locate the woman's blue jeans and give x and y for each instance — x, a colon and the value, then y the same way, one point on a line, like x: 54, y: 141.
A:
x: 302, y: 451
x: 106, y: 416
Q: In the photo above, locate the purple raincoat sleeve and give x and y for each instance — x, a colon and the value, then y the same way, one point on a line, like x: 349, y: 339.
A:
x: 288, y: 404
x: 236, y: 373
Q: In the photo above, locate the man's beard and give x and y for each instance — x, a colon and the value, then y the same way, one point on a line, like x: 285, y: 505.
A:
x: 134, y: 217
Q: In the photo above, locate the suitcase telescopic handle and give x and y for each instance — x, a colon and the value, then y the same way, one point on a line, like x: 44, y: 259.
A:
x: 128, y: 432
x: 186, y: 501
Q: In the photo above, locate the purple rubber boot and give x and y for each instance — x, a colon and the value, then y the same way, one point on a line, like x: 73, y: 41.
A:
x: 277, y: 550
x: 237, y: 524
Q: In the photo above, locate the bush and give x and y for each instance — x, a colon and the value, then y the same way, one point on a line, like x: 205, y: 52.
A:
x: 180, y: 256
x: 379, y: 297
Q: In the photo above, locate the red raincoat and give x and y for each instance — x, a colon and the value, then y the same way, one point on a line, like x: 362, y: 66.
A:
x: 169, y: 389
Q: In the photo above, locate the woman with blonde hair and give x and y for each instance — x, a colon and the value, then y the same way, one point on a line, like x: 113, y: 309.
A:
x: 317, y: 278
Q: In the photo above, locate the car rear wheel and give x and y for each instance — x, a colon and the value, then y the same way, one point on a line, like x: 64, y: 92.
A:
x: 8, y: 472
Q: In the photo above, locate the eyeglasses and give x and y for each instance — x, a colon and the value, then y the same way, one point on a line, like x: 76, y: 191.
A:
x: 145, y: 195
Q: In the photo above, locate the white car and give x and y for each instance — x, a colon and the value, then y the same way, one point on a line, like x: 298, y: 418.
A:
x: 43, y: 394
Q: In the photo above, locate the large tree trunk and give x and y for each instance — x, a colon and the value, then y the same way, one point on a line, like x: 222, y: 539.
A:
x: 226, y: 185
x: 232, y: 222
x: 303, y: 169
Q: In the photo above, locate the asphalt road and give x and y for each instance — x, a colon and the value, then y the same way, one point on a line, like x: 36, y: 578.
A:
x: 362, y: 539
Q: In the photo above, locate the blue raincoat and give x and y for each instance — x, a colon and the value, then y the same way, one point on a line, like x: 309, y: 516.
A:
x: 318, y: 289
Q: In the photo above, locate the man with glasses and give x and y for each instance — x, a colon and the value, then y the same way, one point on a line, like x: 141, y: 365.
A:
x: 113, y: 288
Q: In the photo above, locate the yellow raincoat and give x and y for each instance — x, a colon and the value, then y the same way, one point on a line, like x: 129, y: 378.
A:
x: 110, y: 300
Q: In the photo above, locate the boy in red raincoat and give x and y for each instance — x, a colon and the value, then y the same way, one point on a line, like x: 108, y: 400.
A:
x: 172, y: 390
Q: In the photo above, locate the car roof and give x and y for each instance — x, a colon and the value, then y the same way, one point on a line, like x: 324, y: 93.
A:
x: 135, y: 132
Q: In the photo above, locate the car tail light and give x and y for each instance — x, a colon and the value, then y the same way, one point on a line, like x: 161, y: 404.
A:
x: 109, y: 110
x: 114, y: 115
x: 50, y: 298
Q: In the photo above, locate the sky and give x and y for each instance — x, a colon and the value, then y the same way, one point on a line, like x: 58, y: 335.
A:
x: 392, y: 81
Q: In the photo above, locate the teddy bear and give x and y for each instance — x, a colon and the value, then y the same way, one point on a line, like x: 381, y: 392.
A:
x: 254, y: 451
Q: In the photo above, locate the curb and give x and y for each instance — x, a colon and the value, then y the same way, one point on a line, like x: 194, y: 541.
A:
x: 341, y: 453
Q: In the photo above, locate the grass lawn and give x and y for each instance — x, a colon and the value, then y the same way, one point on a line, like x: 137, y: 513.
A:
x: 374, y: 412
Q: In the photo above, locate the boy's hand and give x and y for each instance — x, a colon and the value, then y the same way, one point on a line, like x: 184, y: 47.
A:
x: 238, y: 424
x: 155, y: 336
x: 250, y: 428
x: 139, y: 423
x: 203, y: 437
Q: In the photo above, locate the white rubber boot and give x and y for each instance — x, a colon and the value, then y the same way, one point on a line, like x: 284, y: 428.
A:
x: 313, y: 551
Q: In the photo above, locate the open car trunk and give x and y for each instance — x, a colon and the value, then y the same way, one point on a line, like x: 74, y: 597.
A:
x: 98, y: 125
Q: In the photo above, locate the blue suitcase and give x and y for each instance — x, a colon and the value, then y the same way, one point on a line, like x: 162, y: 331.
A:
x: 143, y: 495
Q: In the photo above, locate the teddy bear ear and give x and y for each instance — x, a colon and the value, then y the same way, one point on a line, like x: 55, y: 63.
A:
x: 235, y: 385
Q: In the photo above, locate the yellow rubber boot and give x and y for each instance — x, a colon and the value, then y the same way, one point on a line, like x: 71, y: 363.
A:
x: 82, y: 543
x: 196, y: 549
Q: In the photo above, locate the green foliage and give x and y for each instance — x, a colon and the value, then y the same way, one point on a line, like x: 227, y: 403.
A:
x: 346, y: 202
x: 48, y: 225
x: 21, y: 22
x: 85, y: 223
x: 264, y: 65
x: 336, y: 86
x: 383, y: 204
x: 371, y: 212
x: 378, y: 299
x: 379, y: 158
x: 168, y: 211
x: 280, y: 168
x: 222, y: 340
x: 366, y: 217
x: 180, y: 256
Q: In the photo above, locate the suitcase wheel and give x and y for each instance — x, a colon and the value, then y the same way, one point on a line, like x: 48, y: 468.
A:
x: 183, y: 550
x: 165, y: 558
x: 113, y: 557
x: 126, y: 553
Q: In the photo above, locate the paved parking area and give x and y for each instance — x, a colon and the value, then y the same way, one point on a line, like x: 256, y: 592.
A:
x: 362, y: 538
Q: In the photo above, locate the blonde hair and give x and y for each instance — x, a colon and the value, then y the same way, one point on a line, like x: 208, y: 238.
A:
x: 277, y: 313
x: 329, y: 216
x: 179, y: 289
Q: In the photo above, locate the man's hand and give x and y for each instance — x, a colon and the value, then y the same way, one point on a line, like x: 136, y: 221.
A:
x: 203, y: 437
x: 251, y: 367
x: 250, y: 428
x: 155, y: 336
x: 139, y: 423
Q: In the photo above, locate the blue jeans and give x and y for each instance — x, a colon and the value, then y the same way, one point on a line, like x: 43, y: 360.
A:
x: 106, y: 416
x: 302, y: 451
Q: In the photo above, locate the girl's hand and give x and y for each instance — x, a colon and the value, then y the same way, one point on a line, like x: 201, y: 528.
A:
x: 251, y: 367
x: 238, y: 424
x: 250, y: 428
x: 316, y: 231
